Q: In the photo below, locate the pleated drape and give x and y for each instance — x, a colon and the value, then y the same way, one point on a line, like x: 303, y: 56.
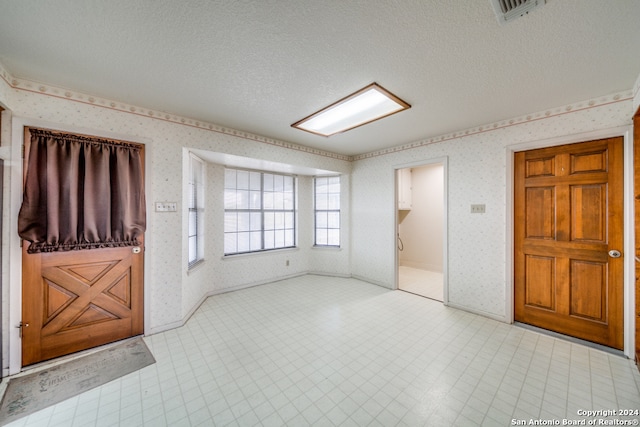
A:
x: 81, y: 193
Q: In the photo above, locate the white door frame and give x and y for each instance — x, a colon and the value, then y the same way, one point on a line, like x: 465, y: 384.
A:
x: 628, y: 287
x: 445, y: 234
x: 15, y: 251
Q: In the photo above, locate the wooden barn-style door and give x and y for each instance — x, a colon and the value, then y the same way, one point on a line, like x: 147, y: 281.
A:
x: 569, y: 240
x: 82, y: 222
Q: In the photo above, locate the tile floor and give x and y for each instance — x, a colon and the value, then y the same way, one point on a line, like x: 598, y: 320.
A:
x: 421, y: 282
x: 340, y: 352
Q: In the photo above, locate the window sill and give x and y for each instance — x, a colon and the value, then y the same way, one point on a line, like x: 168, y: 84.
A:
x: 326, y: 248
x: 260, y: 253
x: 195, y: 267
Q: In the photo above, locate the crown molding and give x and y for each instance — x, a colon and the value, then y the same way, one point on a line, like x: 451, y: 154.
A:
x: 83, y: 98
x: 75, y: 96
x: 541, y: 115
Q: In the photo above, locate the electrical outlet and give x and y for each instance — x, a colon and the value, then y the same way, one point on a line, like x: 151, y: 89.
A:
x: 478, y: 208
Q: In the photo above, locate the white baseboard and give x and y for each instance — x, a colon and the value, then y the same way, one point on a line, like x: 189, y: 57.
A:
x: 173, y: 325
x: 373, y: 282
x: 324, y: 273
x: 482, y: 313
x: 185, y: 319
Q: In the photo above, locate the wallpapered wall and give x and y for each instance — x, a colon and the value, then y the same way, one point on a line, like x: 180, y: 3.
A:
x: 478, y: 171
x: 172, y: 293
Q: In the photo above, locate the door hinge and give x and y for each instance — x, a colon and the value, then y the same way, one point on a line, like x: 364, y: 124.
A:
x: 23, y: 151
x: 21, y: 326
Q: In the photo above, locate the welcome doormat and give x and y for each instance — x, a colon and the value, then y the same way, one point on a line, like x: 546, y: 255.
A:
x: 30, y: 393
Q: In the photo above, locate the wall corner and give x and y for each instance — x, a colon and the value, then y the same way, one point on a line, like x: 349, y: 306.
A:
x: 636, y: 95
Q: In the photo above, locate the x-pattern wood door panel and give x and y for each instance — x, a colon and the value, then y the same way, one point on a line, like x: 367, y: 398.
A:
x: 89, y: 300
x: 568, y: 215
x: 79, y: 300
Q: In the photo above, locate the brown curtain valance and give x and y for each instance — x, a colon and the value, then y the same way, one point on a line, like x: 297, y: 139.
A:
x: 81, y: 193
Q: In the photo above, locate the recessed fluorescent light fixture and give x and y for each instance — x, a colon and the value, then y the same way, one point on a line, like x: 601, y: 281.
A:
x: 370, y: 103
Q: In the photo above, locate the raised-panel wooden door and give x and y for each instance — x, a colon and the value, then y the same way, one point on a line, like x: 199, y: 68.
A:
x: 79, y: 299
x: 568, y: 217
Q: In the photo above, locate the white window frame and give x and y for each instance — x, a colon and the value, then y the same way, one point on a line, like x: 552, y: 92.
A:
x: 326, y: 211
x: 195, y: 211
x: 260, y: 211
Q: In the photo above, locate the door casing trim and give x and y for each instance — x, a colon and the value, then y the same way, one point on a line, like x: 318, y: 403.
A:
x: 15, y: 251
x: 444, y: 161
x: 628, y: 289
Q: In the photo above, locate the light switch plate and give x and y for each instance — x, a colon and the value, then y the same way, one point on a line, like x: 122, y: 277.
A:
x: 166, y: 206
x: 478, y: 208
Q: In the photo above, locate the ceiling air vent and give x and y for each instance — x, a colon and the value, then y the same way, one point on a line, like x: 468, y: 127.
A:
x: 508, y: 10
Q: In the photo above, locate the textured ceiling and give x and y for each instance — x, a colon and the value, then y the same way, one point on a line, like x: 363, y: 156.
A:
x: 260, y: 65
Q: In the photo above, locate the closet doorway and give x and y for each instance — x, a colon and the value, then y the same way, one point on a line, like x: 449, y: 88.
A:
x: 421, y: 229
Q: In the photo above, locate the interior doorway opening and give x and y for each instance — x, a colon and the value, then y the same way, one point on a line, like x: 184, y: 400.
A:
x: 421, y: 230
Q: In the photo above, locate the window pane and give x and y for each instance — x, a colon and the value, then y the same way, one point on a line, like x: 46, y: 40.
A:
x: 289, y: 220
x: 196, y: 171
x: 288, y: 184
x: 322, y: 202
x: 269, y: 220
x: 242, y: 199
x: 333, y: 220
x: 230, y: 245
x: 192, y: 195
x: 256, y: 240
x: 334, y: 201
x: 230, y: 199
x: 278, y: 183
x: 321, y: 236
x: 269, y: 239
x: 230, y: 178
x: 278, y: 200
x: 334, y: 184
x: 195, y: 213
x: 321, y: 186
x: 193, y: 223
x: 243, y: 221
x: 289, y: 201
x: 243, y: 180
x: 230, y: 222
x: 254, y: 181
x: 244, y: 243
x: 279, y: 234
x: 327, y: 210
x: 256, y: 200
x: 256, y: 221
x: 268, y: 182
x: 268, y: 200
x: 279, y: 220
x: 258, y: 208
x: 288, y: 238
x: 333, y: 237
x: 193, y: 249
x: 321, y: 220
